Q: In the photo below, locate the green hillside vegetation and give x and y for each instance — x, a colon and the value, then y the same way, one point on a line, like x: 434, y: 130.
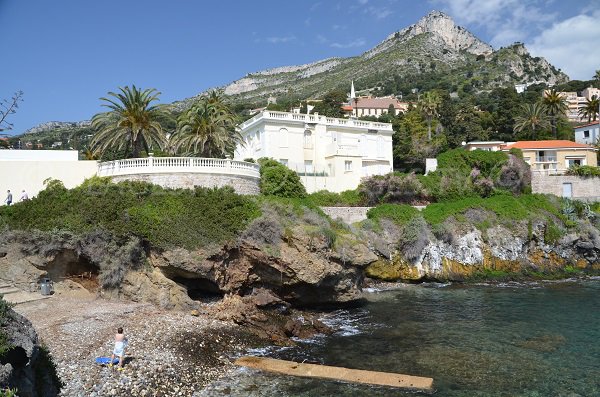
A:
x: 164, y: 218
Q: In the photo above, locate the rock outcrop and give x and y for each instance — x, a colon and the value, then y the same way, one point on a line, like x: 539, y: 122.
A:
x: 26, y: 366
x: 520, y: 251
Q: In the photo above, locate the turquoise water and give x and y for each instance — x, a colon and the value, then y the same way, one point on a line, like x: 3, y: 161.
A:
x: 535, y: 339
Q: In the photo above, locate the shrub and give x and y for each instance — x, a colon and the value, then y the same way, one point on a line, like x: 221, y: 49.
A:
x: 398, y: 213
x: 503, y: 205
x: 278, y: 180
x: 463, y: 160
x: 4, y: 319
x: 415, y: 237
x: 515, y: 176
x: 163, y: 217
x: 392, y: 188
x: 584, y: 170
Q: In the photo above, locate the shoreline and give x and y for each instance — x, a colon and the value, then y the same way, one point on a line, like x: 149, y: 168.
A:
x: 169, y: 353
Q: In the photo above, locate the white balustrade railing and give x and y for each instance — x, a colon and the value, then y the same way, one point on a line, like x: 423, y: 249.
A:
x: 312, y: 118
x: 155, y: 165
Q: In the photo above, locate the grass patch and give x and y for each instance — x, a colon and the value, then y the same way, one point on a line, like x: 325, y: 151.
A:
x: 400, y: 214
x: 504, y: 206
x: 348, y: 198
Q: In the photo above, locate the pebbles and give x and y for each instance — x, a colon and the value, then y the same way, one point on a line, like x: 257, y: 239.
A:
x: 169, y: 353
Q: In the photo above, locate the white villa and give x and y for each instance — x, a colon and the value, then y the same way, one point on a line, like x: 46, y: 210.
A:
x: 328, y: 153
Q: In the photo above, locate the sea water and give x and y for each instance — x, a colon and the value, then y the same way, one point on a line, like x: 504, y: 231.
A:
x: 513, y: 339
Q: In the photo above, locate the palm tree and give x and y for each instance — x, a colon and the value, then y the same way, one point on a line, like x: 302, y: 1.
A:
x: 132, y: 124
x: 207, y: 128
x: 597, y: 76
x: 429, y: 105
x: 590, y: 109
x: 533, y: 116
x: 555, y: 105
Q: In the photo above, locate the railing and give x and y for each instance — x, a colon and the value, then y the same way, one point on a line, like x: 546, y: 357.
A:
x: 545, y: 159
x: 156, y: 165
x: 313, y: 118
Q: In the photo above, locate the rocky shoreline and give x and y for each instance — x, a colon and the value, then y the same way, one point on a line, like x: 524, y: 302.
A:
x: 170, y: 352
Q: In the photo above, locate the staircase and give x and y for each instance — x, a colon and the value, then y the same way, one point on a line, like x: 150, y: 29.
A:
x: 16, y: 296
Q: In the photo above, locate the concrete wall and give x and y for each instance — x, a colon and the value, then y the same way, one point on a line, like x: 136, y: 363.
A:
x: 347, y: 214
x: 241, y: 184
x: 39, y: 155
x: 30, y: 175
x: 586, y: 189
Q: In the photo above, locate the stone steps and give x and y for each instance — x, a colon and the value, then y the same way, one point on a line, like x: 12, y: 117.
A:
x: 17, y: 296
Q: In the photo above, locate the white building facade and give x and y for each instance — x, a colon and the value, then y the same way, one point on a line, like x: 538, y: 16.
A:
x: 588, y: 134
x: 328, y: 153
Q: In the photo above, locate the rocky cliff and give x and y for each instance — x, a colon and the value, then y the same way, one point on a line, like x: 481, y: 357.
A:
x: 26, y: 366
x: 525, y: 249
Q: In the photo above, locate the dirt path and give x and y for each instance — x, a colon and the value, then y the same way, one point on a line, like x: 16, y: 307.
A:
x: 169, y: 353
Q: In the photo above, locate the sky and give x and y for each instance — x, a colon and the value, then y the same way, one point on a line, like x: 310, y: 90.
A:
x: 66, y: 54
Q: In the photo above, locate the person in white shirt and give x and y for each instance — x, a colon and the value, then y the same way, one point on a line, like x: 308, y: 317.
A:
x: 24, y: 196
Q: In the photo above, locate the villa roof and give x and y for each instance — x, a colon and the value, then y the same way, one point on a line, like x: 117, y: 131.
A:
x: 588, y: 124
x: 550, y: 144
x: 379, y: 103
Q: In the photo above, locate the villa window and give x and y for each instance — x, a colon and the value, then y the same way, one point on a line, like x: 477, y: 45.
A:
x: 284, y: 161
x: 283, y: 137
x: 586, y: 134
x: 348, y: 166
x: 308, y: 144
x: 308, y: 167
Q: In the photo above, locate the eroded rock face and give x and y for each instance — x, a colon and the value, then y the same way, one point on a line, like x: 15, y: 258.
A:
x: 497, y: 249
x: 300, y: 271
x: 25, y: 366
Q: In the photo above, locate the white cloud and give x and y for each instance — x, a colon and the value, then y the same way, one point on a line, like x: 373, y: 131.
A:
x: 363, y: 2
x: 314, y: 6
x: 280, y: 40
x: 571, y: 45
x: 506, y: 21
x: 379, y: 12
x: 354, y: 43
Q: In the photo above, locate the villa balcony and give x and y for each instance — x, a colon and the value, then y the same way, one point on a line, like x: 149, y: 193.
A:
x: 315, y: 118
x: 178, y: 165
x: 333, y: 149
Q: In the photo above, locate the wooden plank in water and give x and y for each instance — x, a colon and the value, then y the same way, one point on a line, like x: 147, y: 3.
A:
x: 337, y: 373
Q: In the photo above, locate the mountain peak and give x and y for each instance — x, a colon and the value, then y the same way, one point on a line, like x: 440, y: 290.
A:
x: 443, y: 27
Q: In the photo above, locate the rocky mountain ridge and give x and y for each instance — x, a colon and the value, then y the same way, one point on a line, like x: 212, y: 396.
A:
x: 55, y: 125
x: 434, y: 43
x: 435, y: 46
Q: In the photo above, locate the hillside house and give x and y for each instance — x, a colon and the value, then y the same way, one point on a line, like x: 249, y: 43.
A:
x: 588, y: 134
x: 576, y: 102
x: 554, y: 155
x: 328, y: 153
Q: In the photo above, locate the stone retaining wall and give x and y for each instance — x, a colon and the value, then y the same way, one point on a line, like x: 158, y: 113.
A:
x: 241, y: 184
x: 583, y: 188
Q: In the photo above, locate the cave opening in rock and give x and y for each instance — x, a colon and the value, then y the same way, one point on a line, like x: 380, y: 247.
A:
x: 200, y: 289
x: 68, y: 265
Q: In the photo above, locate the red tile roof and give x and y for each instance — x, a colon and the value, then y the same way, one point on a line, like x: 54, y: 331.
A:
x: 554, y: 144
x: 379, y: 103
x: 587, y: 125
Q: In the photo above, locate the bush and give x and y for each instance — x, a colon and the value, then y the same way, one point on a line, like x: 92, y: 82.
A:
x: 278, y: 180
x: 584, y: 170
x: 503, y: 205
x: 164, y: 218
x: 487, y: 162
x: 398, y: 213
x: 4, y: 319
x: 392, y: 188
